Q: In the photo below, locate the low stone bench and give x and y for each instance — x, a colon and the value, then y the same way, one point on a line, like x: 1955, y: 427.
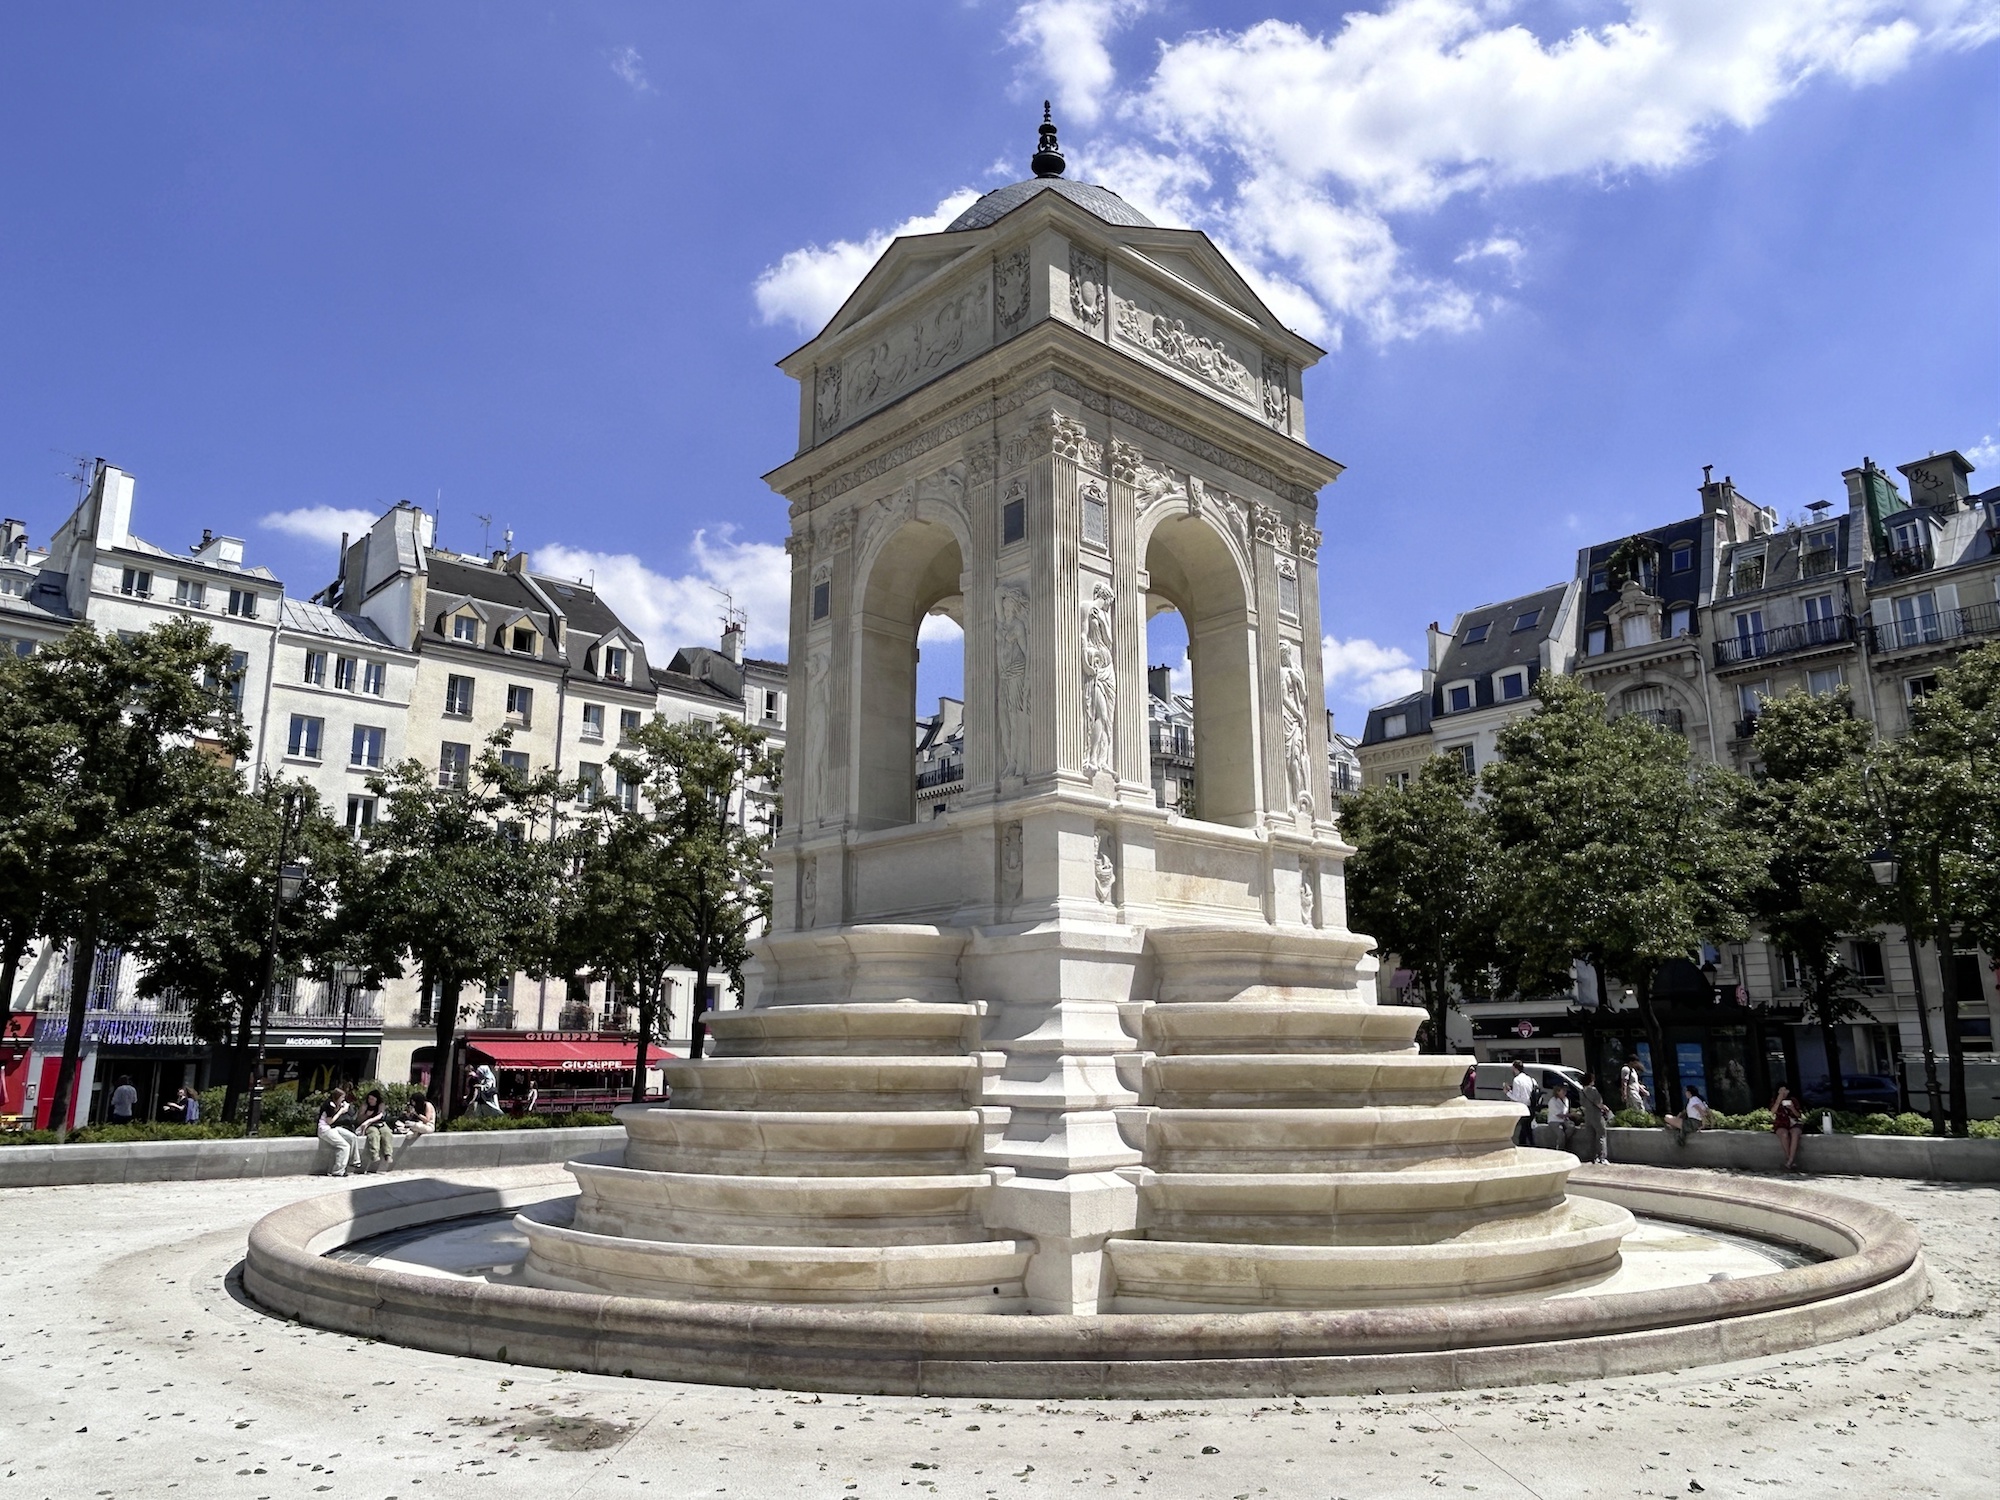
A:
x: 1928, y: 1157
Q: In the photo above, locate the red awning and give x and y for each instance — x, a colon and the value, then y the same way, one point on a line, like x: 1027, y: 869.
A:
x: 581, y: 1056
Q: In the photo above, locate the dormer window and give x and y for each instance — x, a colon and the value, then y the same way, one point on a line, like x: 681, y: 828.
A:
x: 1458, y: 699
x: 524, y: 640
x: 465, y: 628
x: 1513, y: 685
x: 1683, y: 557
x: 1395, y: 726
x: 1819, y: 554
x: 1746, y: 576
x: 614, y: 663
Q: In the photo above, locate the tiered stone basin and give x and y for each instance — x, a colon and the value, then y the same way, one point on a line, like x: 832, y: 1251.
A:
x: 1290, y: 1152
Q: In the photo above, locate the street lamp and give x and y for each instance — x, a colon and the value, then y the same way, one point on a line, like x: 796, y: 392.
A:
x: 1886, y: 865
x: 291, y: 878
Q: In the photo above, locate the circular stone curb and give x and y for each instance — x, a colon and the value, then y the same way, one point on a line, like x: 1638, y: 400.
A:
x: 1876, y: 1277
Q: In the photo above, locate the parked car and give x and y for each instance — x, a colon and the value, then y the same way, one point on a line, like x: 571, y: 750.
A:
x: 1493, y: 1078
x: 1865, y: 1091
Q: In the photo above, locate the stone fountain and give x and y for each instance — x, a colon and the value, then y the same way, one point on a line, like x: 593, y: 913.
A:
x: 1061, y: 1049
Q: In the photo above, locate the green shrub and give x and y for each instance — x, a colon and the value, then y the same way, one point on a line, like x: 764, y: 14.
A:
x: 118, y: 1134
x: 1985, y: 1130
x: 1634, y: 1119
x: 530, y: 1122
x: 1757, y: 1119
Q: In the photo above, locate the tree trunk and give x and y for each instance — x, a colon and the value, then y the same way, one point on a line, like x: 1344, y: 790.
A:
x: 10, y: 965
x: 1829, y: 1041
x: 83, y: 959
x: 1666, y: 1072
x: 648, y: 1004
x: 698, y: 1030
x: 1437, y: 1004
x: 239, y: 1059
x: 443, y: 1091
x: 1954, y: 1047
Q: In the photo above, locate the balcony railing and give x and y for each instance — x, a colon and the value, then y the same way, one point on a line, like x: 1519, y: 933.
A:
x: 1166, y: 741
x: 941, y: 774
x: 1819, y: 562
x: 1945, y: 626
x: 1659, y: 718
x: 1904, y: 561
x: 1783, y: 640
x: 1746, y: 727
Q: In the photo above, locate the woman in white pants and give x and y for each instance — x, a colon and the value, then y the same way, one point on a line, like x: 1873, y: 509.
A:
x: 335, y: 1116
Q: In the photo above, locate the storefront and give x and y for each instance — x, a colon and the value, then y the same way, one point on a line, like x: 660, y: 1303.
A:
x: 567, y: 1071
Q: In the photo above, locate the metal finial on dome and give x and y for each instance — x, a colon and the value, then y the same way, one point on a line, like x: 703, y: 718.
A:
x: 1048, y: 158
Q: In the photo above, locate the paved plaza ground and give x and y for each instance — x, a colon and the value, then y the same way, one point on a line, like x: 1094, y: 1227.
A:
x: 130, y: 1366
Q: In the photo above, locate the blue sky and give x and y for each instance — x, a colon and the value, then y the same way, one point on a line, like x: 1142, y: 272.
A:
x: 535, y: 262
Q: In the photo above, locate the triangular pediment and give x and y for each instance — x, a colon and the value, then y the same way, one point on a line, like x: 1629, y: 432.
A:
x: 908, y: 262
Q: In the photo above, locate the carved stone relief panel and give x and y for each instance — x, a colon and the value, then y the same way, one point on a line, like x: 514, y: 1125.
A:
x: 1277, y: 393
x: 880, y: 517
x: 1086, y: 289
x: 930, y: 343
x: 1016, y: 449
x: 812, y: 780
x: 1155, y: 483
x: 809, y: 893
x: 1309, y: 894
x: 1011, y: 607
x: 1100, y: 682
x: 1171, y: 333
x: 1010, y: 292
x: 1267, y: 524
x: 1010, y: 864
x: 1125, y: 460
x: 979, y: 460
x: 1104, y: 865
x: 1292, y: 700
x: 944, y: 486
x: 826, y: 400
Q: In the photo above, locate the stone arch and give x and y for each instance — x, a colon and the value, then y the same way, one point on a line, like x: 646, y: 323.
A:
x: 1191, y: 568
x: 916, y: 569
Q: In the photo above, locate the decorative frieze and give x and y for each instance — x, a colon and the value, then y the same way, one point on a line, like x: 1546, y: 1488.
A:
x: 925, y: 346
x: 1161, y: 330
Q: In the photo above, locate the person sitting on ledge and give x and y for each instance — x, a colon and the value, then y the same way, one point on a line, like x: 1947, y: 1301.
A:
x: 1788, y: 1123
x: 1693, y: 1116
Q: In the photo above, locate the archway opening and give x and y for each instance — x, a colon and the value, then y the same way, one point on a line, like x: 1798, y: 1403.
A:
x: 1191, y: 573
x: 914, y: 576
x: 1170, y: 710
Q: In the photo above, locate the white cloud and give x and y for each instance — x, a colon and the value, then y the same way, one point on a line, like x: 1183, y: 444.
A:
x: 809, y: 284
x: 939, y: 630
x: 1985, y: 453
x: 1301, y: 148
x: 319, y: 523
x: 1363, y: 672
x: 1068, y: 40
x: 631, y: 69
x: 685, y: 610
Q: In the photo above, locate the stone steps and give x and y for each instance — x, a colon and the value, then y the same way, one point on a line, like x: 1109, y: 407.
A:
x: 825, y: 1083
x: 1300, y: 1080
x: 983, y: 1276
x: 802, y: 1143
x: 1375, y: 1138
x: 1267, y: 1026
x: 900, y: 1028
x: 708, y: 1208
x: 1570, y: 1245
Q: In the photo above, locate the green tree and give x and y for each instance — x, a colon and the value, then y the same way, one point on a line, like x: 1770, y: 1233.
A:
x: 146, y: 736
x: 694, y: 852
x: 1618, y: 850
x: 1809, y: 809
x: 214, y: 929
x: 39, y: 765
x: 1421, y: 881
x: 1940, y: 815
x: 455, y: 884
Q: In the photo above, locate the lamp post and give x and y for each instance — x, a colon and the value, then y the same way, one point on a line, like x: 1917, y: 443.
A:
x: 289, y: 879
x: 1886, y: 865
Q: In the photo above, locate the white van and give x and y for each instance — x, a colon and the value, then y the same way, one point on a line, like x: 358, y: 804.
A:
x: 1495, y: 1076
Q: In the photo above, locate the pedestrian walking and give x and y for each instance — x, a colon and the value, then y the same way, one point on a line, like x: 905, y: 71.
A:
x: 1588, y: 1137
x: 1788, y: 1123
x: 124, y: 1100
x: 1521, y: 1089
x: 1632, y: 1087
x: 378, y: 1139
x: 336, y: 1118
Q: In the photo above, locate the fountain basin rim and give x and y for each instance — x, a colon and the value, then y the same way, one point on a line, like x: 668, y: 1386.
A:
x: 1875, y: 1278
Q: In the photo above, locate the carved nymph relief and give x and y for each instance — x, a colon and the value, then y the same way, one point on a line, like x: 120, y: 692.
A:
x: 1011, y: 604
x: 1298, y: 754
x: 1100, y: 682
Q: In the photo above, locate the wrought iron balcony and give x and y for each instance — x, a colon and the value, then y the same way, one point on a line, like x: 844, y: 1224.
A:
x: 943, y: 773
x: 1659, y: 718
x: 1746, y: 727
x: 1943, y: 628
x: 1904, y: 561
x: 1784, y: 640
x: 1819, y: 562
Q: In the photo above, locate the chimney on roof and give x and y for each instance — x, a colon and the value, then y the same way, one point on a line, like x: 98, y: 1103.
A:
x: 1160, y: 683
x: 732, y: 641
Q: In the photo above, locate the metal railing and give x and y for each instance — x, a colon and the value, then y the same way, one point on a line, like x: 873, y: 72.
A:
x: 1783, y: 640
x: 1903, y: 561
x: 1746, y: 727
x: 1659, y: 718
x: 1945, y: 626
x: 1818, y: 562
x: 941, y: 774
